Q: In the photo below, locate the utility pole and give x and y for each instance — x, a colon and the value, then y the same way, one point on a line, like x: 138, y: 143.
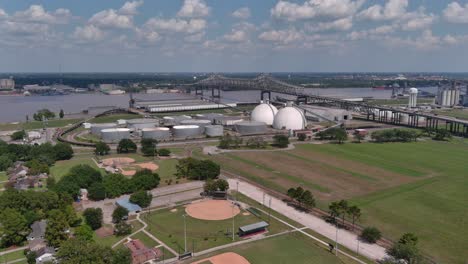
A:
x: 233, y: 217
x: 237, y: 190
x: 357, y: 251
x: 185, y: 234
x: 269, y: 212
x: 336, y: 242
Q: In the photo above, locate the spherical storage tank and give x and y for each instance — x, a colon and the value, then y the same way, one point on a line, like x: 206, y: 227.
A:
x: 197, y: 122
x: 290, y: 118
x: 159, y: 133
x: 250, y: 127
x: 138, y: 124
x: 114, y: 135
x: 96, y: 128
x: 264, y: 112
x: 214, y: 130
x: 186, y: 131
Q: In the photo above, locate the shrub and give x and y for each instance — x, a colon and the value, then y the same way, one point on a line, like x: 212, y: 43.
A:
x: 371, y: 234
x: 164, y: 152
x: 142, y: 198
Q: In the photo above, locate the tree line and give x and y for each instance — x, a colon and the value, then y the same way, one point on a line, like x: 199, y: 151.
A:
x: 148, y: 148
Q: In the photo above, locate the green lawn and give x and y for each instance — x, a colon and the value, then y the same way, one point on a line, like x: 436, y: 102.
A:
x: 167, y: 169
x: 36, y: 124
x: 61, y: 168
x: 111, y: 240
x: 458, y: 113
x: 291, y: 248
x: 169, y: 227
x: 148, y: 241
x: 433, y: 207
x: 113, y: 118
x: 3, y: 176
x: 12, y: 256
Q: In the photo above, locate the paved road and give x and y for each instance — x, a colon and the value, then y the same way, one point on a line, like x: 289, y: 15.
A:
x: 161, y: 197
x: 313, y: 222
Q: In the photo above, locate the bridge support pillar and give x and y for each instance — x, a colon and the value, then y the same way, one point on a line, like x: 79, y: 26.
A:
x: 302, y: 99
x: 215, y: 95
x: 198, y: 90
x: 262, y: 95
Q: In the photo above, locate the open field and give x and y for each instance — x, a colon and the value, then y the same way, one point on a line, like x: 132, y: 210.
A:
x: 148, y: 241
x: 61, y: 168
x: 168, y: 226
x: 111, y: 240
x: 401, y: 187
x: 113, y: 118
x: 37, y: 124
x: 402, y: 101
x: 3, y: 176
x: 13, y: 256
x: 289, y: 248
x: 457, y: 113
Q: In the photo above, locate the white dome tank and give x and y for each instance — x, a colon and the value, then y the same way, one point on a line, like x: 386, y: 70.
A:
x: 290, y: 118
x: 264, y: 112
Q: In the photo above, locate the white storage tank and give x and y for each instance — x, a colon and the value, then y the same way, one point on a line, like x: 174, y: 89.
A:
x: 159, y: 133
x: 290, y: 118
x: 87, y: 125
x: 251, y: 127
x: 186, y: 131
x: 114, y: 135
x: 139, y: 124
x: 174, y: 120
x: 198, y: 122
x: 210, y: 116
x: 264, y: 112
x: 214, y: 130
x: 96, y: 128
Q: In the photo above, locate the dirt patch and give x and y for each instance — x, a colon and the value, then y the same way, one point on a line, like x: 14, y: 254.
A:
x: 117, y: 162
x: 225, y: 258
x: 212, y: 210
x: 148, y: 165
x: 128, y: 172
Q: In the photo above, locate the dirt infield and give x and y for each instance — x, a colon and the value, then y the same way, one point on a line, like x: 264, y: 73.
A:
x: 117, y: 162
x: 212, y: 210
x: 225, y: 258
x: 148, y: 165
x: 127, y: 166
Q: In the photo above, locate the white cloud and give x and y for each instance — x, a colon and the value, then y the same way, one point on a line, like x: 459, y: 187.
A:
x: 236, y: 36
x: 281, y: 36
x: 456, y: 13
x: 418, y: 21
x: 23, y: 29
x: 315, y: 8
x: 37, y: 14
x: 242, y: 13
x: 176, y: 25
x: 342, y: 24
x: 111, y: 19
x: 3, y: 14
x: 89, y: 33
x: 130, y: 8
x: 393, y: 9
x: 197, y: 37
x: 194, y: 9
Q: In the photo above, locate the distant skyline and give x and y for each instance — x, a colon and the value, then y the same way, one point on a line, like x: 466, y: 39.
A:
x: 234, y: 36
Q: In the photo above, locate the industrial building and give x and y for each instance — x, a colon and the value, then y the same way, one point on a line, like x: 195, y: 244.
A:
x: 114, y: 135
x: 323, y: 114
x: 448, y: 96
x: 201, y: 123
x: 140, y: 123
x: 96, y: 128
x: 7, y: 84
x: 162, y: 106
x: 174, y: 120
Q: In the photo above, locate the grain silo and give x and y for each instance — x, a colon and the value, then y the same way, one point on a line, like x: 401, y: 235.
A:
x: 96, y: 128
x: 251, y: 127
x: 158, y: 133
x: 214, y: 130
x: 114, y: 135
x: 186, y: 131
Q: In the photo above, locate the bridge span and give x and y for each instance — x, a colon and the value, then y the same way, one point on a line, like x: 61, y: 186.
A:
x: 389, y: 115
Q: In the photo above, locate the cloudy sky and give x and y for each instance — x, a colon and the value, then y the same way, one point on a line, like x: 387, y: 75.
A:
x: 228, y: 35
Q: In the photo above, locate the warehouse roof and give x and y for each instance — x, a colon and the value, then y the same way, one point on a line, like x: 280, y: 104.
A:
x: 255, y: 226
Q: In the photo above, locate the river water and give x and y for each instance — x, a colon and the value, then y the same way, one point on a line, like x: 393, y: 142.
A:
x: 15, y: 108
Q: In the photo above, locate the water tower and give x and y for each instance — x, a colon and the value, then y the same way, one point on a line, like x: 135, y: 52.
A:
x: 413, y: 96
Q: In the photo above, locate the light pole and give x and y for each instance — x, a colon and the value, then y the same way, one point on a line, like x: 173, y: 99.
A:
x: 233, y: 216
x: 357, y: 251
x: 336, y: 242
x: 185, y: 234
x: 237, y: 190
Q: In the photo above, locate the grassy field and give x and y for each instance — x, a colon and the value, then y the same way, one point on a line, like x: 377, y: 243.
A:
x: 113, y: 118
x: 148, y: 241
x: 401, y: 187
x: 3, y: 176
x: 12, y: 256
x: 403, y: 101
x: 169, y: 227
x: 167, y: 168
x: 111, y: 240
x: 291, y: 248
x: 61, y: 168
x: 458, y: 113
x: 36, y: 124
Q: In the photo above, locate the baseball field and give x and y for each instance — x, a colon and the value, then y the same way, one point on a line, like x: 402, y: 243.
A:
x: 401, y: 187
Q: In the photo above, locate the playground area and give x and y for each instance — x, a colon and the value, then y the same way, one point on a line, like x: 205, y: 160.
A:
x: 225, y: 258
x: 212, y: 210
x: 127, y: 166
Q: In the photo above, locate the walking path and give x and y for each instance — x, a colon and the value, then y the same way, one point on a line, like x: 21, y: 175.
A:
x: 315, y: 223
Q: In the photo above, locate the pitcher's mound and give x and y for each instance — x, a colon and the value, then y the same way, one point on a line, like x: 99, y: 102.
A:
x: 225, y: 258
x: 212, y: 210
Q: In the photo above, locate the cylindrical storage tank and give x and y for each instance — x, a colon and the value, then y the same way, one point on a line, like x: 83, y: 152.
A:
x: 139, y: 124
x: 114, y: 135
x: 186, y: 131
x: 404, y: 118
x: 210, y: 116
x: 198, y: 122
x: 96, y: 128
x: 457, y: 97
x: 421, y: 120
x: 158, y: 133
x: 290, y: 118
x: 264, y: 112
x: 174, y: 120
x: 214, y: 130
x: 446, y: 98
x: 251, y: 127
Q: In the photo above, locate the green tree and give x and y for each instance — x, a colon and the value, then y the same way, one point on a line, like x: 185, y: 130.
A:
x: 116, y: 185
x: 14, y: 227
x: 126, y: 146
x: 119, y: 214
x: 197, y: 169
x: 164, y: 152
x: 56, y: 230
x: 61, y: 114
x: 93, y: 217
x: 63, y: 151
x: 36, y: 167
x: 442, y: 134
x: 18, y: 135
x: 370, y: 234
x: 334, y: 210
x: 121, y: 256
x: 256, y: 143
x: 31, y: 257
x: 355, y: 213
x: 148, y: 146
x: 307, y: 199
x: 142, y: 198
x: 84, y: 232
x: 340, y: 135
x: 79, y: 251
x: 343, y: 209
x: 301, y: 137
x: 101, y: 148
x: 43, y: 114
x: 408, y: 238
x: 281, y: 141
x: 122, y: 229
x: 5, y: 162
x: 225, y: 142
x: 145, y: 180
x: 97, y: 191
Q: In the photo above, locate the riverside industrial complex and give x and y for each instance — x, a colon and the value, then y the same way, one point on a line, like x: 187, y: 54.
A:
x: 299, y: 177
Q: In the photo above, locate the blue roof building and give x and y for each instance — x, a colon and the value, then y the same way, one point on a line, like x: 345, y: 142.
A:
x: 131, y: 207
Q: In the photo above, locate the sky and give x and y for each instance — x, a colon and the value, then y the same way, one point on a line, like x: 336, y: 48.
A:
x: 233, y: 36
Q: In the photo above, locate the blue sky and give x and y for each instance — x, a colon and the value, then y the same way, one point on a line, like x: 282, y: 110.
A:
x: 239, y: 36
